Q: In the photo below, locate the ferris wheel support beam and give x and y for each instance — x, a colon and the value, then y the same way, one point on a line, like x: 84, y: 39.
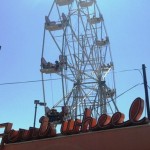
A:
x: 85, y: 97
x: 67, y: 96
x: 100, y: 101
x: 116, y: 108
x: 62, y: 80
x: 43, y: 87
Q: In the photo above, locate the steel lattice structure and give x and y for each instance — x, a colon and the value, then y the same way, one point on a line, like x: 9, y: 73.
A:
x: 85, y: 64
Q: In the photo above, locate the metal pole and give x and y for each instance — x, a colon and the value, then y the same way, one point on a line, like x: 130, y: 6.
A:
x: 146, y: 90
x: 35, y: 115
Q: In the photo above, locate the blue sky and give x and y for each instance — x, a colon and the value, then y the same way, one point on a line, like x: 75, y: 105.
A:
x: 21, y: 33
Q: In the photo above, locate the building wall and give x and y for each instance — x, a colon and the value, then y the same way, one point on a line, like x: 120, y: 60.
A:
x: 129, y: 138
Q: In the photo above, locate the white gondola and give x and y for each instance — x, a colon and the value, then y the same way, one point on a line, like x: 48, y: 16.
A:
x: 102, y: 42
x: 95, y: 20
x: 50, y: 70
x: 48, y: 67
x: 63, y: 2
x: 86, y: 3
x: 110, y: 93
x: 52, y: 25
x: 106, y: 68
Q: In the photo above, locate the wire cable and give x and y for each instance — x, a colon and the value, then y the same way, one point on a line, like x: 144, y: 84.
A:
x: 130, y: 70
x: 129, y: 89
x: 24, y: 82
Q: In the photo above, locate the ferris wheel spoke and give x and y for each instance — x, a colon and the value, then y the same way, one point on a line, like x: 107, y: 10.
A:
x: 86, y: 36
x: 51, y: 9
x: 70, y: 61
x: 67, y: 96
x: 73, y: 72
x: 73, y: 63
x: 66, y: 77
x: 81, y: 46
x: 58, y: 11
x: 82, y: 72
x: 55, y: 42
x: 90, y: 62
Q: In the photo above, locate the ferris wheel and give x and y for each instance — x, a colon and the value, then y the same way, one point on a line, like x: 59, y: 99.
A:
x: 84, y: 63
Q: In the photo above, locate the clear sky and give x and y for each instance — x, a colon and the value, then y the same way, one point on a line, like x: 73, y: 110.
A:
x: 21, y: 34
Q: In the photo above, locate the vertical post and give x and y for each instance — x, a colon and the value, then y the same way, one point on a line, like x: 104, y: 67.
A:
x: 146, y: 90
x: 35, y: 115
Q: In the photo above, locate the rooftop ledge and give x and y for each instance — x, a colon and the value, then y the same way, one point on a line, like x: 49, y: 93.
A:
x: 134, y: 137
